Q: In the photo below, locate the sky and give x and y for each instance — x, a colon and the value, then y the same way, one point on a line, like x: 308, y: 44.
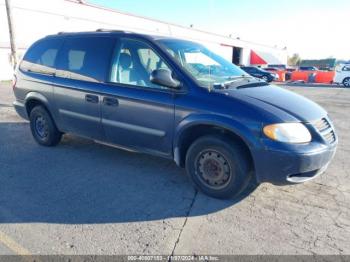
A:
x: 314, y: 29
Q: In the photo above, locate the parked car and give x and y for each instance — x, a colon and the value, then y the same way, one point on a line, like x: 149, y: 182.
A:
x: 175, y: 99
x: 307, y: 68
x: 288, y: 75
x: 278, y: 66
x: 342, y: 75
x: 325, y: 68
x: 260, y: 73
x: 287, y: 71
x: 271, y: 69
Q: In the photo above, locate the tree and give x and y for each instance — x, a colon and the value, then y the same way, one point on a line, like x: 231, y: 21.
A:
x: 294, y: 60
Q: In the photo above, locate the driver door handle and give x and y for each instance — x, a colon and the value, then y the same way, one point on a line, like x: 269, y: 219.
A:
x: 110, y: 101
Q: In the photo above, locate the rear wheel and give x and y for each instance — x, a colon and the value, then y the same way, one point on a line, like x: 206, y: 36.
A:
x: 43, y: 127
x: 218, y: 166
x: 346, y: 82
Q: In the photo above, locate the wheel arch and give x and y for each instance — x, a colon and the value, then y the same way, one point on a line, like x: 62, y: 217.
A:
x: 33, y: 99
x: 192, y: 128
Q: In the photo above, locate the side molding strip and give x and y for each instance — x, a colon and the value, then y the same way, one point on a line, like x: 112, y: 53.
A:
x: 140, y: 129
x: 78, y: 115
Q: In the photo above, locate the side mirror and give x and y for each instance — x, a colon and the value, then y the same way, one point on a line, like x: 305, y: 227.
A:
x: 163, y: 77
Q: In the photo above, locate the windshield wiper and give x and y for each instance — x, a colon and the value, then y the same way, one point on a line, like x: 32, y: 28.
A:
x: 248, y: 82
x: 256, y: 84
x: 239, y: 77
x: 234, y: 79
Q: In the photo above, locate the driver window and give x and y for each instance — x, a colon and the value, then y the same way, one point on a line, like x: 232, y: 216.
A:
x: 346, y: 68
x: 150, y: 60
x: 134, y: 63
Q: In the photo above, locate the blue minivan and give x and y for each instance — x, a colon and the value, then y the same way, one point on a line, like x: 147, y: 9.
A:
x: 175, y: 99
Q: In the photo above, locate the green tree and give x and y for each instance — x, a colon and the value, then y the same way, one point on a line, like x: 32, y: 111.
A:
x: 294, y: 60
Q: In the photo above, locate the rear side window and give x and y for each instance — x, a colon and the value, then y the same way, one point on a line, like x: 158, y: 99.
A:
x: 41, y: 57
x: 85, y: 58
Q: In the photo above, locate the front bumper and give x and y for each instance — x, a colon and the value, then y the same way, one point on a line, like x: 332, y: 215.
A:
x: 281, y: 167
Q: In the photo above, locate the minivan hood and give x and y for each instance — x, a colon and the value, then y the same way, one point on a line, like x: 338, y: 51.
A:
x: 287, y: 101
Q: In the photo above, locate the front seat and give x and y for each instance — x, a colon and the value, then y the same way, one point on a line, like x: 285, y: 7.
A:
x: 127, y: 74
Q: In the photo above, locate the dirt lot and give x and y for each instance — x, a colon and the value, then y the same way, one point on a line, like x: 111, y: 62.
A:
x: 86, y: 198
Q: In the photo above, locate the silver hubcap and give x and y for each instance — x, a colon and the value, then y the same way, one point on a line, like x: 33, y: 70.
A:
x: 347, y: 82
x: 213, y: 169
x: 41, y: 127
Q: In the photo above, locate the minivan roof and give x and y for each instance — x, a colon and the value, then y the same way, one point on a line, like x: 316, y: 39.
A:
x: 100, y: 32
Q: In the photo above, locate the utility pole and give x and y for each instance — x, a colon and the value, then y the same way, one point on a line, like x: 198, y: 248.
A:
x: 11, y: 32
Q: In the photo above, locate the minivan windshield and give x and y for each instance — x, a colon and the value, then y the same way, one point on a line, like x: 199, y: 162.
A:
x: 209, y: 69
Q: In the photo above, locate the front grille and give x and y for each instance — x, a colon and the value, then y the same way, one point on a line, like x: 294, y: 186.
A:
x: 322, y: 124
x: 325, y: 128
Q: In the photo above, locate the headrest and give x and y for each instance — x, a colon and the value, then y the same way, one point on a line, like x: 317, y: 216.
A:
x: 125, y: 60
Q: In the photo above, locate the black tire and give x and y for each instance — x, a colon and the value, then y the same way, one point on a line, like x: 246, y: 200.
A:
x: 43, y: 127
x: 228, y: 160
x: 346, y: 82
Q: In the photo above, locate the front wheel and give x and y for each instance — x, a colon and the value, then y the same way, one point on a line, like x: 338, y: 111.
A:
x: 43, y: 127
x: 218, y: 166
x: 346, y: 82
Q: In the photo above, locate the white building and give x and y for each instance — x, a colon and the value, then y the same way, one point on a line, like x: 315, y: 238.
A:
x: 33, y: 19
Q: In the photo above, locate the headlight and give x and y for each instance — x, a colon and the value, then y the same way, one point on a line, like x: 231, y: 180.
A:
x: 288, y: 133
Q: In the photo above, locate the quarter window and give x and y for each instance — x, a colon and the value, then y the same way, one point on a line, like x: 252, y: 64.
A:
x: 41, y: 57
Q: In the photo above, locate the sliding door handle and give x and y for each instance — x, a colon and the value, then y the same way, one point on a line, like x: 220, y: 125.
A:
x: 91, y: 98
